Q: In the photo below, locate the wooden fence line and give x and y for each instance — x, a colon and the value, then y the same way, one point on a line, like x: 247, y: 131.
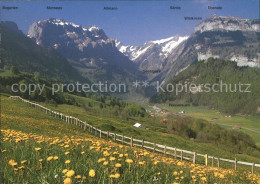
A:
x: 124, y: 140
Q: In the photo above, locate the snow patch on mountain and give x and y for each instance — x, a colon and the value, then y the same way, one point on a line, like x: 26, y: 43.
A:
x: 166, y: 47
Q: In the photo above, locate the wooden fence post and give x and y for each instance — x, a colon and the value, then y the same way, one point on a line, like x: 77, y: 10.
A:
x: 194, y: 157
x: 218, y: 162
x: 212, y: 164
x: 164, y: 150
x: 181, y: 155
x: 100, y: 133
x: 115, y: 138
x: 175, y: 152
x: 154, y: 145
x: 206, y: 159
x: 253, y: 164
x: 122, y: 139
x: 131, y: 143
x: 235, y: 164
x: 107, y: 135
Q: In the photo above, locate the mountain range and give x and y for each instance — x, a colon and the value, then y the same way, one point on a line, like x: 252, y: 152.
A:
x: 87, y: 49
x: 22, y: 52
x: 239, y: 37
x: 95, y: 56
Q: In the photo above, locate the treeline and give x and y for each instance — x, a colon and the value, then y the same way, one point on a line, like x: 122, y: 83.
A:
x: 202, y: 131
x: 216, y: 71
x: 109, y: 104
x: 113, y: 107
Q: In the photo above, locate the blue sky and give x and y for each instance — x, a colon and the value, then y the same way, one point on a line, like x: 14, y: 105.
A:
x: 135, y: 22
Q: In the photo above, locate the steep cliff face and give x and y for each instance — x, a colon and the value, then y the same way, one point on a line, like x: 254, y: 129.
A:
x: 229, y: 24
x: 88, y: 49
x: 227, y: 38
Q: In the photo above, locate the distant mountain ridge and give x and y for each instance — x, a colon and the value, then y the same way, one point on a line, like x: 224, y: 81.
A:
x: 151, y: 55
x: 20, y: 51
x: 88, y: 49
x: 223, y: 37
x: 211, y: 39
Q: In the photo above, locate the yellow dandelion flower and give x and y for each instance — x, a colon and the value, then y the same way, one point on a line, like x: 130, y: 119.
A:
x: 92, y: 173
x: 155, y: 162
x: 117, y: 175
x: 181, y: 171
x: 50, y: 158
x: 67, y: 181
x: 179, y: 163
x: 129, y: 161
x: 12, y: 163
x: 64, y: 171
x: 24, y: 161
x: 112, y: 158
x: 121, y: 155
x: 204, y: 179
x: 67, y: 152
x: 37, y: 149
x: 82, y: 152
x: 106, y: 154
x: 78, y: 176
x: 67, y: 161
x: 84, y: 177
x: 101, y: 160
x: 40, y: 160
x: 21, y: 167
x: 70, y: 173
x: 55, y: 157
x: 118, y: 165
x: 105, y: 163
x: 175, y: 173
x: 141, y: 163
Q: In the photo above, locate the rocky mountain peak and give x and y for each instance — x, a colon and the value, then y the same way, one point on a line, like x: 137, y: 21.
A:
x: 59, y: 30
x: 228, y: 23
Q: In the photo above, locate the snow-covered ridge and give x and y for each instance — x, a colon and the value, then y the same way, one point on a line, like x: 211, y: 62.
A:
x: 166, y: 46
x: 61, y: 22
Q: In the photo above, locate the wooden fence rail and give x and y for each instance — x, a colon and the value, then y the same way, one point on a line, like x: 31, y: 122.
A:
x: 154, y: 147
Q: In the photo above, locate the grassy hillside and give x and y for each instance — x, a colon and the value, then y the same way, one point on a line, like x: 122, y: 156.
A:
x: 215, y: 71
x: 155, y: 133
x: 37, y: 148
x: 250, y: 124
